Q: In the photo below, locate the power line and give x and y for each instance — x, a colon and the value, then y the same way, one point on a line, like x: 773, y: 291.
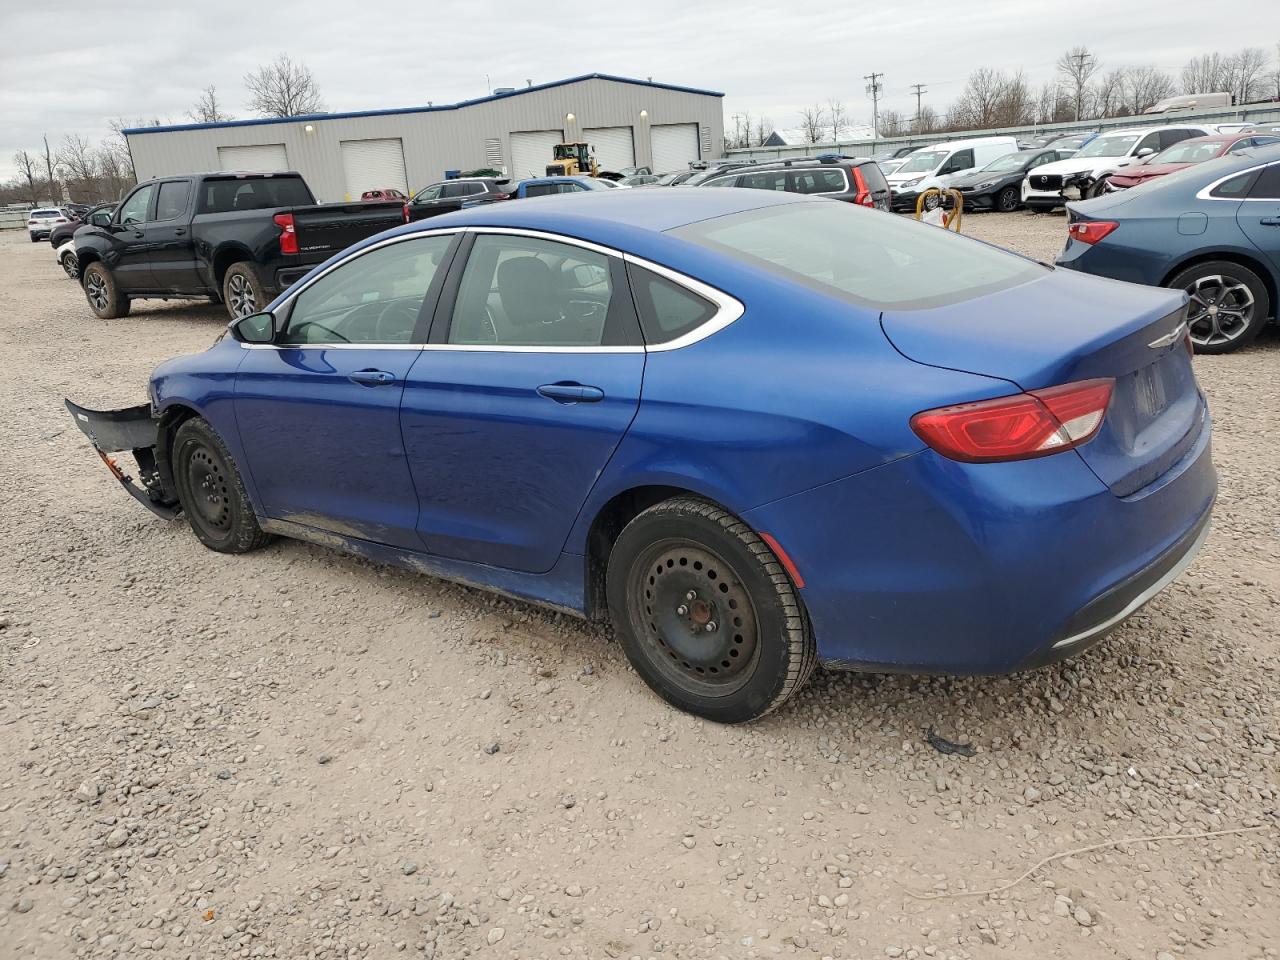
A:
x: 920, y: 91
x: 873, y: 91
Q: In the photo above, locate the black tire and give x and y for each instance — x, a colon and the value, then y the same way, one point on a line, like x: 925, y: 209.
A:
x: 71, y: 266
x: 1219, y: 317
x: 1008, y: 200
x: 734, y: 651
x: 242, y: 290
x: 35, y: 239
x: 104, y: 297
x: 211, y: 491
x: 1097, y: 188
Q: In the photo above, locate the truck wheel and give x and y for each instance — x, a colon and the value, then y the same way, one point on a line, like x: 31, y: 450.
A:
x: 211, y: 491
x: 706, y: 613
x: 105, y: 299
x: 242, y: 290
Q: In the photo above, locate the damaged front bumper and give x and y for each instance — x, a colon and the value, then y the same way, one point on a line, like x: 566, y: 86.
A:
x: 133, y: 429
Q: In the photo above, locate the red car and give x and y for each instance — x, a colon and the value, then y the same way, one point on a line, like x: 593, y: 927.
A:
x: 1182, y: 155
x: 391, y: 193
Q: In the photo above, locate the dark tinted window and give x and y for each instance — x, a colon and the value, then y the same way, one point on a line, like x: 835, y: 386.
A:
x: 830, y: 180
x: 960, y: 160
x: 173, y: 199
x: 525, y: 291
x: 667, y: 310
x: 541, y: 189
x: 252, y: 193
x: 465, y: 189
x: 1169, y: 137
x: 880, y: 261
x: 769, y: 180
x: 373, y: 298
x: 1267, y: 186
x: 873, y: 176
x: 1236, y: 187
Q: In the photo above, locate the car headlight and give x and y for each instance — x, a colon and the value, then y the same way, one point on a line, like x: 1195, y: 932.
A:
x: 911, y: 183
x: 984, y: 184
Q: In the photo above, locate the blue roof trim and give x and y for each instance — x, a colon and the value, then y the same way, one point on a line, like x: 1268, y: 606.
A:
x: 264, y: 121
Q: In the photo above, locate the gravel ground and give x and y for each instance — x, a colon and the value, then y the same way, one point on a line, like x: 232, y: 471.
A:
x: 298, y: 754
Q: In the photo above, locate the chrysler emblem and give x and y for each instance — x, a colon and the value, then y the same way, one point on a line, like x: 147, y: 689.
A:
x: 1173, y: 336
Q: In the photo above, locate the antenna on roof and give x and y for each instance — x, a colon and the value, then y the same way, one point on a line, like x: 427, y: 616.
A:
x: 528, y: 83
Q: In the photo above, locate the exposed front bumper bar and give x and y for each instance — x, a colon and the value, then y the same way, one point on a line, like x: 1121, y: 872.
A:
x: 135, y: 430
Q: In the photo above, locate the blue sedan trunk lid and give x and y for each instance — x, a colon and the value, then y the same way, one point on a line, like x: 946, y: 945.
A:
x: 1065, y: 328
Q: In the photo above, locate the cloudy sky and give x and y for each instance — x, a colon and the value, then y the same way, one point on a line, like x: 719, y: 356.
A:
x: 70, y: 66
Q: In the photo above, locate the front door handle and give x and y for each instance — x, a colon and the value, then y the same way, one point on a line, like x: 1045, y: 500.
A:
x: 371, y: 378
x: 1270, y: 221
x: 179, y: 231
x: 571, y: 393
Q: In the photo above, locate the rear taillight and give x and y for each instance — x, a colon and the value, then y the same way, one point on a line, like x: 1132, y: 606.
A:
x: 502, y: 196
x: 863, y: 197
x: 1091, y: 231
x: 405, y: 211
x: 288, y: 234
x: 1026, y: 425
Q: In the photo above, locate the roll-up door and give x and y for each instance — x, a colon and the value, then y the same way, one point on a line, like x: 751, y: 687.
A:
x: 261, y: 158
x: 373, y: 165
x: 675, y: 145
x: 531, y: 151
x: 614, y: 146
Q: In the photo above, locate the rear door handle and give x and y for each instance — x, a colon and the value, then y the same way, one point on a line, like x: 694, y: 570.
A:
x: 571, y: 393
x: 1270, y: 221
x: 371, y: 378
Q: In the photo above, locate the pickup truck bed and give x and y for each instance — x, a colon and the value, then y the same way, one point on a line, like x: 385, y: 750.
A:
x: 237, y: 238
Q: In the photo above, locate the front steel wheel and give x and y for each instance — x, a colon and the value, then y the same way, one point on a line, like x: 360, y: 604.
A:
x: 211, y: 491
x: 706, y: 613
x: 1229, y: 305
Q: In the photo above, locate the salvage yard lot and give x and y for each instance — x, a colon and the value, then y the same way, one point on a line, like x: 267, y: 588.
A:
x: 296, y: 753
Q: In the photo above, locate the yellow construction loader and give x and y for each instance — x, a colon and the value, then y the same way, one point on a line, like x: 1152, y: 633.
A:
x: 573, y: 160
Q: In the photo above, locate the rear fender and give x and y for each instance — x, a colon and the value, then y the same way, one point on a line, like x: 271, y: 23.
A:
x: 135, y: 430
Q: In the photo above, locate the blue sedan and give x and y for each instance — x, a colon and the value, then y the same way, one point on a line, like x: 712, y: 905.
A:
x: 756, y: 431
x: 1212, y: 230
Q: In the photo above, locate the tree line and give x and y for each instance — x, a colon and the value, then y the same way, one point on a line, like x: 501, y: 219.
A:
x: 1080, y: 90
x: 76, y: 169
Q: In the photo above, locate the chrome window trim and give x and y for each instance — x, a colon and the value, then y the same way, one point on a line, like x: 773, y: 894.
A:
x: 1205, y: 192
x: 728, y: 309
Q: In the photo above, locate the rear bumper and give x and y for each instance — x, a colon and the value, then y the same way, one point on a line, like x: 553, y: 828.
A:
x: 983, y: 568
x: 135, y: 430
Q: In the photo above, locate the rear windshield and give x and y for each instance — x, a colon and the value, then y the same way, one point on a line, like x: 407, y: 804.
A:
x: 252, y: 193
x: 45, y: 214
x: 869, y: 258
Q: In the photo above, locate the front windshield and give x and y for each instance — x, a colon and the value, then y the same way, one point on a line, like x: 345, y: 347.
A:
x: 1010, y: 162
x: 1116, y: 146
x: 1188, y: 152
x: 922, y: 162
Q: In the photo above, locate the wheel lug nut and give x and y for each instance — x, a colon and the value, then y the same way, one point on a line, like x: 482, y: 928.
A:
x: 691, y: 595
x: 711, y: 627
x: 682, y: 610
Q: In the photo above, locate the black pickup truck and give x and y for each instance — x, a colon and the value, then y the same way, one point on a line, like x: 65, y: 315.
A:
x: 235, y: 238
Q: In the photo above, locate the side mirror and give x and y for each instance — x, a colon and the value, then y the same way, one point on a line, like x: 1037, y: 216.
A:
x: 1145, y: 152
x: 255, y: 328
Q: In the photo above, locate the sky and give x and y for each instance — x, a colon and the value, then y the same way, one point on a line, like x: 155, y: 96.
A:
x: 70, y: 66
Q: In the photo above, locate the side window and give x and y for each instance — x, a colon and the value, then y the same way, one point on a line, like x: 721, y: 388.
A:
x: 540, y: 189
x: 172, y: 202
x: 530, y: 292
x: 1044, y: 158
x: 1169, y: 137
x: 453, y: 191
x: 1267, y: 186
x: 722, y: 182
x: 134, y: 210
x: 1150, y: 142
x: 373, y: 298
x: 766, y: 180
x: 818, y: 181
x: 1237, y: 188
x: 667, y: 310
x: 960, y: 160
x: 430, y: 193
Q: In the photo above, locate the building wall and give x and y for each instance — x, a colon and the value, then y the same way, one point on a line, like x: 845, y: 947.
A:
x: 440, y: 138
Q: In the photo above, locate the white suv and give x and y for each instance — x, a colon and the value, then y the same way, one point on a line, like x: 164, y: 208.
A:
x: 40, y: 222
x: 1100, y: 157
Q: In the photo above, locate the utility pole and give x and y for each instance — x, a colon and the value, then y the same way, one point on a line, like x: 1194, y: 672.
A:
x: 873, y: 91
x: 920, y: 91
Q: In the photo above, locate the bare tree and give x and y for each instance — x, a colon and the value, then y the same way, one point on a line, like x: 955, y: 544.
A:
x: 1108, y: 93
x: 48, y: 164
x: 26, y: 165
x: 77, y: 155
x: 764, y: 128
x: 927, y: 120
x: 979, y: 105
x: 1275, y: 74
x: 207, y: 109
x: 283, y: 88
x: 1144, y: 87
x: 813, y: 121
x: 1206, y: 74
x: 1016, y: 105
x: 1245, y: 74
x: 838, y: 116
x: 893, y: 124
x: 1075, y: 68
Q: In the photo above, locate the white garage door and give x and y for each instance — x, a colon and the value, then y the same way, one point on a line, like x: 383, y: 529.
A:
x: 373, y: 165
x: 674, y: 145
x: 262, y: 158
x: 531, y: 151
x: 614, y: 146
